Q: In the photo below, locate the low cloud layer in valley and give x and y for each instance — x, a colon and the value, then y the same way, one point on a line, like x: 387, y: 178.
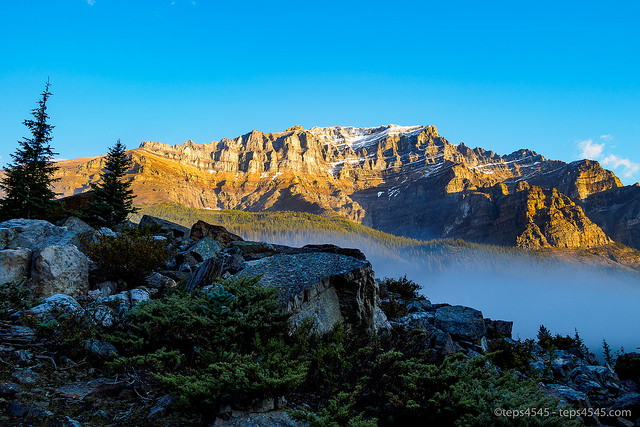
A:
x: 600, y: 304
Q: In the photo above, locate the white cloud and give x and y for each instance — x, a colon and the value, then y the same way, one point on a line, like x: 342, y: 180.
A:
x: 590, y: 150
x: 607, y: 137
x: 630, y: 168
x: 91, y: 2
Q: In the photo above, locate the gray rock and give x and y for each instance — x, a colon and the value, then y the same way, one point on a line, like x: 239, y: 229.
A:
x: 25, y: 376
x: 208, y: 271
x: 60, y: 269
x: 380, y: 321
x: 103, y: 315
x: 204, y: 249
x: 330, y: 288
x: 107, y: 232
x: 125, y: 301
x: 563, y: 363
x: 461, y: 322
x: 14, y: 264
x: 253, y: 250
x: 418, y: 305
x: 444, y: 344
x: 50, y: 307
x: 160, y: 282
x: 21, y: 334
x: 100, y: 413
x: 161, y: 406
x: 484, y: 344
x: 568, y: 394
x: 167, y: 228
x: 417, y: 320
x: 108, y: 288
x: 138, y: 296
x: 6, y: 235
x: 33, y: 234
x: 76, y: 224
x: 102, y: 349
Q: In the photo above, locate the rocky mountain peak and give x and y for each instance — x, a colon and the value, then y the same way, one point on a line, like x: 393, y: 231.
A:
x: 405, y: 180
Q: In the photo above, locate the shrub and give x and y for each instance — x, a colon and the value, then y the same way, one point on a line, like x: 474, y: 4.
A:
x: 395, y: 294
x: 405, y: 288
x: 229, y: 345
x: 14, y: 296
x: 127, y: 257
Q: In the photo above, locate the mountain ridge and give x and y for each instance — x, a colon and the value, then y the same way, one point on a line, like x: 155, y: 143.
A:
x: 405, y: 180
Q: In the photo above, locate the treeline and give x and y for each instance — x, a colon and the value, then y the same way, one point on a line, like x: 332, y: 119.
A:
x: 299, y: 228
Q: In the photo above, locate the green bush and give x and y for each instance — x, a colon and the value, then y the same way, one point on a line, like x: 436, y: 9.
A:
x: 127, y: 257
x: 405, y: 288
x: 394, y: 380
x: 395, y: 294
x: 228, y: 345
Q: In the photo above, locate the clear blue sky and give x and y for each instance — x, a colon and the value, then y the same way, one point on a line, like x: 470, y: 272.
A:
x: 561, y: 78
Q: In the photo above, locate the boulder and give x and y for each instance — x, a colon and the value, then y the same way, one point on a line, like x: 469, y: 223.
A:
x: 34, y: 233
x: 498, y: 328
x: 253, y: 250
x: 417, y: 320
x: 418, y: 305
x: 568, y: 394
x: 205, y: 248
x: 160, y: 282
x: 220, y: 234
x: 330, y: 288
x: 326, y: 248
x: 60, y: 269
x: 380, y: 321
x: 75, y: 224
x: 462, y: 322
x: 51, y: 306
x: 167, y: 228
x: 101, y: 349
x: 206, y: 273
x: 14, y: 264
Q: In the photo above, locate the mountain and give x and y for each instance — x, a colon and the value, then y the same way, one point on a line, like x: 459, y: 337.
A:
x: 404, y: 180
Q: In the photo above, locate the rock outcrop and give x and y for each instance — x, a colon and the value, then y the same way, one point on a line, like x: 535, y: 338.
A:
x: 329, y: 288
x: 46, y: 254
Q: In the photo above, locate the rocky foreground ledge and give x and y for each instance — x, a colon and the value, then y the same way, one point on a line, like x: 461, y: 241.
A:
x: 324, y: 283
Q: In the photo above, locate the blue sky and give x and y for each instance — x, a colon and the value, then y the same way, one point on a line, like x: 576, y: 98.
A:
x: 561, y: 78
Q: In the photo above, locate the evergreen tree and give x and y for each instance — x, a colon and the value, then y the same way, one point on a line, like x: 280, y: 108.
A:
x: 113, y: 198
x: 28, y: 179
x: 606, y: 353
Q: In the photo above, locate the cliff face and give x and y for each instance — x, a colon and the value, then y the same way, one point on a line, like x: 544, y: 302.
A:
x: 531, y: 217
x: 404, y: 180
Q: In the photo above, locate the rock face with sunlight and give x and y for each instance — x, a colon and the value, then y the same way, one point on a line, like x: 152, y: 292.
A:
x: 405, y: 180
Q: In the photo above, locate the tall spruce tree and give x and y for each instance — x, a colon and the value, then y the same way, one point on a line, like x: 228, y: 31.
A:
x: 28, y: 179
x: 113, y: 196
